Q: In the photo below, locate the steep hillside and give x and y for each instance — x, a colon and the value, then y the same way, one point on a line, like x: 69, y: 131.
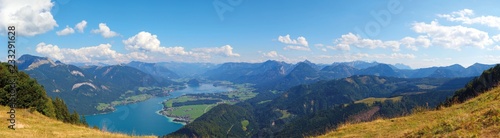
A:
x: 478, y: 117
x: 237, y: 122
x: 471, y: 112
x: 36, y: 125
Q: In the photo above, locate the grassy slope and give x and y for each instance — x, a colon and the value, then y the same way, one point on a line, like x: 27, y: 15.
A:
x: 478, y: 117
x: 36, y: 125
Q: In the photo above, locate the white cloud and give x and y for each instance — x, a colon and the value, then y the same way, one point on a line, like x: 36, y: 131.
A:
x: 66, y: 31
x: 92, y: 54
x: 342, y: 47
x: 497, y: 47
x: 30, y: 17
x: 81, y: 26
x: 402, y: 56
x: 294, y: 44
x: 453, y: 37
x: 144, y: 46
x: 299, y: 41
x: 138, y: 56
x: 104, y: 31
x: 145, y: 41
x: 348, y: 40
x: 414, y: 43
x: 365, y: 56
x: 466, y: 17
x: 226, y: 51
x: 52, y: 51
x: 320, y: 47
x: 149, y: 43
x: 496, y: 38
x: 301, y: 48
x: 270, y: 54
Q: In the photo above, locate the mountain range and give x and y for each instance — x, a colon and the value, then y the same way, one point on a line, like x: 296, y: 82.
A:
x: 83, y: 87
x: 281, y: 76
x: 311, y: 98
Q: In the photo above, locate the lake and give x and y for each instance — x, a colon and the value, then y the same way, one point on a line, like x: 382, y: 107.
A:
x: 142, y: 118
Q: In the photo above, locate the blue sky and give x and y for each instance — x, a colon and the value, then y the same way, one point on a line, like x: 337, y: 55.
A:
x: 417, y: 33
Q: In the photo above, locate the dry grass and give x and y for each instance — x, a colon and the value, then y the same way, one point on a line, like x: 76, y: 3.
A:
x: 35, y: 125
x: 478, y: 117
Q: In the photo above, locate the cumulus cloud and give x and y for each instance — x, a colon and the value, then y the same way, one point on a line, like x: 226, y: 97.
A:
x: 226, y: 51
x: 366, y: 56
x: 466, y: 16
x: 147, y: 42
x: 414, y: 43
x: 31, y: 17
x: 66, y: 31
x: 273, y: 55
x: 348, y: 40
x: 301, y: 48
x: 299, y: 41
x: 402, y: 56
x: 320, y: 47
x: 453, y: 37
x: 92, y: 54
x: 143, y: 46
x: 50, y: 50
x: 496, y: 38
x: 294, y: 44
x: 270, y: 54
x: 105, y: 31
x: 81, y: 26
x: 495, y: 48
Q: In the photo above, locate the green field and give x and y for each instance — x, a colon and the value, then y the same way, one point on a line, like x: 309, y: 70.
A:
x: 372, y: 100
x: 241, y: 92
x: 244, y: 124
x: 194, y: 111
x: 285, y: 114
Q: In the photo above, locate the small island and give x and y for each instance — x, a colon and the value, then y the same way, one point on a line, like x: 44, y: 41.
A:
x: 193, y: 83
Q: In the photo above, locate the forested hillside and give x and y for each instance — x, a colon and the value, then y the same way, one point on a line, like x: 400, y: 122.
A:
x: 83, y: 88
x: 30, y: 95
x: 313, y: 108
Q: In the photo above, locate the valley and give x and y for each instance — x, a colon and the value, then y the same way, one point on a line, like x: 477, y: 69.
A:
x: 254, y: 99
x: 144, y: 118
x: 249, y: 68
x: 189, y: 107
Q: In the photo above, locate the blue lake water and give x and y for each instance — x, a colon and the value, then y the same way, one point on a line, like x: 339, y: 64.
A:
x: 142, y: 118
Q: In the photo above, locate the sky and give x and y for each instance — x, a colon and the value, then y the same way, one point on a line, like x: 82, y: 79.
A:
x: 420, y: 33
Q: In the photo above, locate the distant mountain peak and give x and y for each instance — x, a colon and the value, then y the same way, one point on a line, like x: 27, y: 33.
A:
x: 30, y: 62
x: 401, y: 66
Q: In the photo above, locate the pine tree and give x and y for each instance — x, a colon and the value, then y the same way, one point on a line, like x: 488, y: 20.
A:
x: 83, y: 120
